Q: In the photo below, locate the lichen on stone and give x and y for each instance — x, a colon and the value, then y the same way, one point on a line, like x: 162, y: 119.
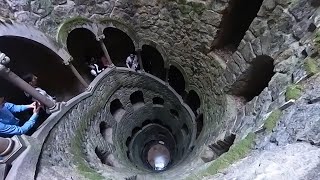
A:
x: 272, y: 120
x: 236, y: 152
x: 67, y: 26
x: 317, y: 39
x: 311, y: 66
x: 293, y: 92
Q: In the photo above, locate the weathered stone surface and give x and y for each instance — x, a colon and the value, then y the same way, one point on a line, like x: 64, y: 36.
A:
x: 285, y: 162
x: 278, y: 84
x: 18, y: 5
x: 58, y: 2
x: 300, y: 123
x: 301, y: 9
x: 26, y: 17
x: 286, y: 66
x: 211, y: 17
x: 207, y: 155
x: 247, y: 52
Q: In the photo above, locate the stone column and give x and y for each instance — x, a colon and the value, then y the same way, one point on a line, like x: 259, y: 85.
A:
x: 20, y: 83
x: 78, y: 75
x: 104, y: 49
x: 167, y: 75
x: 6, y: 145
x: 140, y: 59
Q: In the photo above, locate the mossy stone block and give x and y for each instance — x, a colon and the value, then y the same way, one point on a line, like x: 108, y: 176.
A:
x: 293, y: 92
x: 272, y: 120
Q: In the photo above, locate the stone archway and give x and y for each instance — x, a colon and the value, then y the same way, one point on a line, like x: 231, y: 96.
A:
x: 235, y: 22
x: 83, y: 46
x: 152, y: 61
x: 177, y: 81
x: 257, y: 76
x: 119, y: 45
x: 30, y: 57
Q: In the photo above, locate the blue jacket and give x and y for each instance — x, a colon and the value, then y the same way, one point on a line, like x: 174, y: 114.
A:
x: 9, y: 123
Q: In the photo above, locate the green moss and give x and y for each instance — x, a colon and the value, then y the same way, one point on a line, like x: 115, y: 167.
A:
x: 197, y: 6
x: 272, y: 120
x: 67, y: 26
x: 76, y: 143
x: 317, y: 39
x: 236, y: 152
x: 311, y: 66
x: 293, y: 92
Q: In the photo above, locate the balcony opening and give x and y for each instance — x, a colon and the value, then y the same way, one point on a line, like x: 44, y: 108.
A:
x: 85, y: 50
x: 119, y: 45
x: 152, y: 61
x: 235, y: 22
x: 176, y: 80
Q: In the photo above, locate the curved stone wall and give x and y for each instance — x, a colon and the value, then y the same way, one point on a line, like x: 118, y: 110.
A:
x: 78, y: 147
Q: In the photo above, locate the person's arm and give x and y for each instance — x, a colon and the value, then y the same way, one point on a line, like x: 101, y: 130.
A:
x: 16, y: 108
x: 17, y: 130
x: 127, y: 62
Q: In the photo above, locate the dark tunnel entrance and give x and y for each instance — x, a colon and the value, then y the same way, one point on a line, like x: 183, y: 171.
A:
x: 27, y: 57
x: 119, y: 46
x: 176, y: 80
x: 83, y: 46
x: 193, y: 101
x: 152, y: 61
x: 235, y: 22
x: 255, y: 79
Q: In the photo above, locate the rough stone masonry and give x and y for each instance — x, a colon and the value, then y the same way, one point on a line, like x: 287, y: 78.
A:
x: 277, y: 131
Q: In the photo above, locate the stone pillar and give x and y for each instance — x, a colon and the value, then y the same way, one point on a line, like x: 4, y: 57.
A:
x: 167, y: 75
x: 78, y: 75
x: 20, y: 83
x: 6, y: 146
x: 140, y: 59
x: 104, y: 49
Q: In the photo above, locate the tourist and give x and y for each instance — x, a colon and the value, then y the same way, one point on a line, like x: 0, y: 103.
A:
x: 94, y: 67
x: 132, y: 62
x: 9, y: 124
x: 33, y: 81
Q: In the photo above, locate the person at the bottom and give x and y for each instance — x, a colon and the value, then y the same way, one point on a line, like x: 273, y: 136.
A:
x: 9, y: 124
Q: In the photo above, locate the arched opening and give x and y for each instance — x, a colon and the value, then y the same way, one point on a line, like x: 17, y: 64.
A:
x: 103, y: 156
x: 235, y: 22
x: 193, y: 100
x: 176, y: 80
x: 255, y: 79
x: 146, y: 122
x: 222, y: 146
x: 199, y: 122
x: 30, y: 57
x: 137, y: 99
x: 119, y: 45
x: 128, y: 141
x: 106, y: 131
x: 85, y: 50
x: 174, y: 113
x: 158, y: 100
x: 152, y: 61
x: 185, y: 129
x: 116, y: 109
x: 135, y: 130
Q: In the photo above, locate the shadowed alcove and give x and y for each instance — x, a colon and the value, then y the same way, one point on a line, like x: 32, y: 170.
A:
x: 82, y: 45
x: 176, y: 80
x: 193, y: 100
x: 30, y: 57
x: 235, y: 22
x: 119, y: 45
x: 255, y: 78
x: 152, y: 61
